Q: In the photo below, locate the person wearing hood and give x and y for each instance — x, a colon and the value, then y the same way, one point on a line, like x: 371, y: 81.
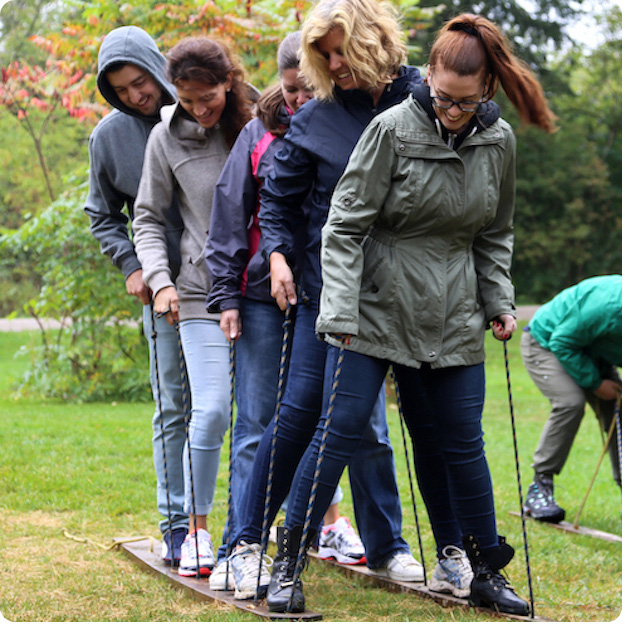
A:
x: 185, y: 154
x: 131, y: 77
x: 317, y: 147
x: 416, y: 258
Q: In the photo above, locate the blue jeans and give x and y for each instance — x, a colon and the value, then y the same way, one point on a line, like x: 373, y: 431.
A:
x: 257, y: 365
x: 171, y: 428
x: 206, y: 353
x: 374, y: 488
x: 443, y: 411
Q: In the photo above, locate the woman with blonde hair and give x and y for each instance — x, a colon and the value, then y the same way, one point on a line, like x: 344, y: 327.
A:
x: 184, y: 157
x: 353, y: 56
x: 416, y: 261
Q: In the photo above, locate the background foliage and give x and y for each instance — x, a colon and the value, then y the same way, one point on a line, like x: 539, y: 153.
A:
x: 568, y: 221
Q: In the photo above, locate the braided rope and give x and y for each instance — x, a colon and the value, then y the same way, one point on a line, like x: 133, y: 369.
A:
x: 161, y: 421
x: 230, y: 462
x: 402, y: 421
x: 186, y: 402
x: 274, y: 436
x: 617, y: 416
x: 301, y: 553
x: 518, y: 477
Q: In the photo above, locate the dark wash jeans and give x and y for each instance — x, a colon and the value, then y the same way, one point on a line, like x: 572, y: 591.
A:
x: 372, y: 476
x: 443, y: 411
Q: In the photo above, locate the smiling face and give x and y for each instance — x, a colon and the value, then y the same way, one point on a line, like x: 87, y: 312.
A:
x: 331, y: 48
x: 448, y: 84
x: 294, y: 89
x: 136, y: 89
x: 205, y: 103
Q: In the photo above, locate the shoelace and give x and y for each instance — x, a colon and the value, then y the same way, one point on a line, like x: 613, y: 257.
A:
x: 250, y: 559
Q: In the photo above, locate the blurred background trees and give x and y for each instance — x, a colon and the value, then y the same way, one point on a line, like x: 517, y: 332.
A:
x: 568, y: 221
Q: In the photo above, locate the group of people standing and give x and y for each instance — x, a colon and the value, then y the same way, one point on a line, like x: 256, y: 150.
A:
x: 376, y: 205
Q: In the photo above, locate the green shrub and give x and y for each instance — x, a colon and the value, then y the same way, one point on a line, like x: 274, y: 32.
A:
x: 99, y: 352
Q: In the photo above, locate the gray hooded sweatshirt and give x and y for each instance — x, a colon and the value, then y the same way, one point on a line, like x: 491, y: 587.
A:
x: 116, y: 150
x: 184, y: 158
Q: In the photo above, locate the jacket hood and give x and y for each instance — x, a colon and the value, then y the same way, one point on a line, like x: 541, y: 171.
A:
x: 486, y: 115
x: 131, y: 44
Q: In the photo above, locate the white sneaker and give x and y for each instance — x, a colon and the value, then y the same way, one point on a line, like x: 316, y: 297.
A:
x: 401, y: 567
x: 189, y: 558
x: 340, y: 541
x: 453, y: 573
x: 245, y: 564
x: 222, y: 578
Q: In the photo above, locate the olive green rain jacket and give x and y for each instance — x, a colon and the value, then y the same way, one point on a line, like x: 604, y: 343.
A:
x: 417, y: 247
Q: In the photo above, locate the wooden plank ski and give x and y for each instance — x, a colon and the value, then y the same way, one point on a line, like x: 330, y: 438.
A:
x: 584, y: 531
x: 443, y: 599
x: 147, y: 554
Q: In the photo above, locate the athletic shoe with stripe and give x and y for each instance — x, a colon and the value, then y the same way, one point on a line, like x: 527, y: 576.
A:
x: 453, y: 573
x: 340, y: 542
x: 189, y: 559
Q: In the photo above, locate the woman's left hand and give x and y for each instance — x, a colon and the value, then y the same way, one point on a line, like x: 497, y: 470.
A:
x: 504, y: 327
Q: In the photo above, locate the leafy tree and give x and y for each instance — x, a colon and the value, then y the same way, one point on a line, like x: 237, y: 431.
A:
x: 569, y: 194
x: 95, y: 355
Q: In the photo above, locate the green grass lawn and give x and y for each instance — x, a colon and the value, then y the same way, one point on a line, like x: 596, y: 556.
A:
x: 87, y: 469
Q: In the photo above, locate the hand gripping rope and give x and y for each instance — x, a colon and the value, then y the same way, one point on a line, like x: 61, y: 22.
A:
x: 299, y: 563
x: 162, y: 428
x: 402, y: 421
x: 518, y: 477
x: 274, y: 434
x: 186, y: 402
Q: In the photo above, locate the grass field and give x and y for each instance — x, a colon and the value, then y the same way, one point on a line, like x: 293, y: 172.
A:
x: 87, y: 469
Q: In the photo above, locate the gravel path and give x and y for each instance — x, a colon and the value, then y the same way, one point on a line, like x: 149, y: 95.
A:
x: 28, y: 323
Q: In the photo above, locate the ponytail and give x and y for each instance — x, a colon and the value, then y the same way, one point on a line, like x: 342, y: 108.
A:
x: 471, y: 44
x: 270, y: 110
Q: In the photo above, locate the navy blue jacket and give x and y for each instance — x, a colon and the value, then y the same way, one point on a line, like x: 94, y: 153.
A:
x: 316, y: 149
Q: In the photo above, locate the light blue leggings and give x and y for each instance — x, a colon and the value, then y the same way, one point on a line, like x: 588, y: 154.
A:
x: 206, y: 354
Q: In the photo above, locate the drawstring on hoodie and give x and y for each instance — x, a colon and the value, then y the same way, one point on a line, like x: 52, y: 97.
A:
x: 451, y: 137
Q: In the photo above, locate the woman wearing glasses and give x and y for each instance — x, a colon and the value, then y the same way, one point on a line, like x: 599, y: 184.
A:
x: 416, y: 256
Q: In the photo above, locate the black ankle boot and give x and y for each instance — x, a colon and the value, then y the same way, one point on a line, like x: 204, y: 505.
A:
x: 489, y: 588
x: 281, y: 587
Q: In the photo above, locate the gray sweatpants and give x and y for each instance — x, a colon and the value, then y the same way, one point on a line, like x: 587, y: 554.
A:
x: 568, y: 401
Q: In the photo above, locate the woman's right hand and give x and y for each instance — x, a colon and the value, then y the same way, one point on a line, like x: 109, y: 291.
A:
x: 230, y: 324
x: 166, y: 302
x: 282, y: 285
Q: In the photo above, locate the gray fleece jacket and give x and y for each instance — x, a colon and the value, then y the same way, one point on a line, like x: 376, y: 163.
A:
x: 180, y: 157
x: 116, y: 149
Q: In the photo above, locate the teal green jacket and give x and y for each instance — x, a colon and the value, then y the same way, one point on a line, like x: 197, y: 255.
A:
x: 418, y: 243
x: 582, y: 328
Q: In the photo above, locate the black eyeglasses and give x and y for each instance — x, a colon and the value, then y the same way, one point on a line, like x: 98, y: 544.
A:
x: 467, y: 106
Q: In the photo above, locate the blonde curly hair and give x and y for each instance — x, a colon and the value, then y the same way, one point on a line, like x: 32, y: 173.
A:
x: 373, y: 44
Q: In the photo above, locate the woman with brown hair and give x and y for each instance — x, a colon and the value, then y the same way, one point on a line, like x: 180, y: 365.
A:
x: 184, y: 157
x: 416, y: 257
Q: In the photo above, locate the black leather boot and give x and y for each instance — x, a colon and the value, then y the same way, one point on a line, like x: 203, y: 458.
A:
x: 489, y: 588
x: 282, y: 588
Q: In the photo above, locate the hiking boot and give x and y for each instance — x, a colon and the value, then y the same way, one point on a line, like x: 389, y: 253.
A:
x: 401, y: 567
x: 340, y: 541
x: 453, y: 573
x: 189, y: 558
x: 244, y: 565
x: 222, y: 577
x: 540, y: 503
x: 489, y: 588
x: 284, y: 593
x: 175, y: 537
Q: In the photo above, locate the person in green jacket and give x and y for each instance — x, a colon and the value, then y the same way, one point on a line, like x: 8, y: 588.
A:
x: 571, y: 349
x: 416, y: 255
